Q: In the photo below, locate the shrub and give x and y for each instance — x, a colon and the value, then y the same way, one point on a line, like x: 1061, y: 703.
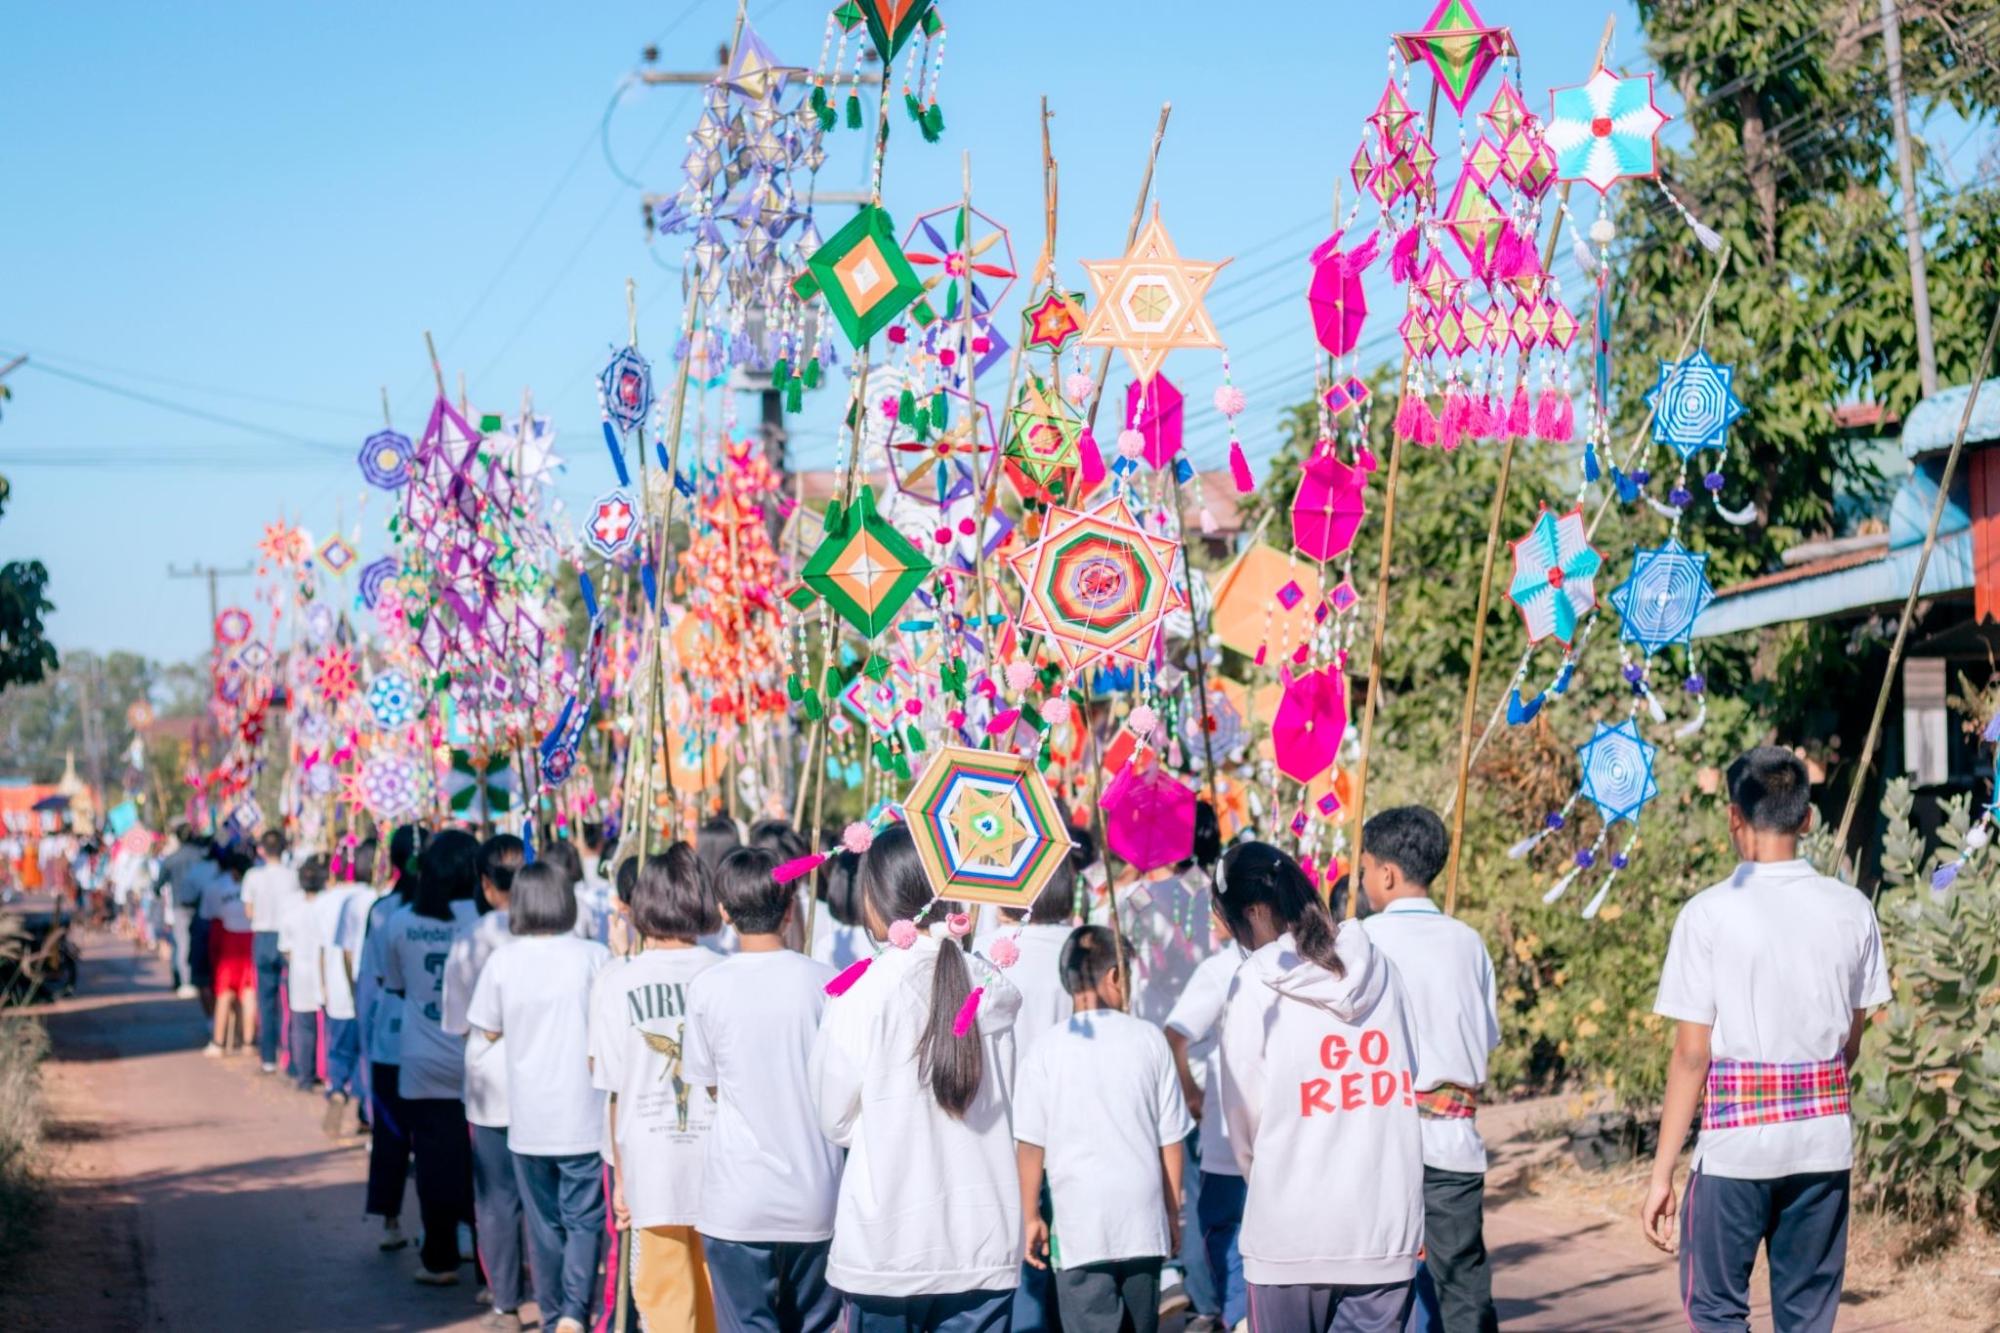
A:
x: 23, y: 1044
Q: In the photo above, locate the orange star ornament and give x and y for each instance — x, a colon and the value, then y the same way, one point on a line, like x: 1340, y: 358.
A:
x: 1150, y: 302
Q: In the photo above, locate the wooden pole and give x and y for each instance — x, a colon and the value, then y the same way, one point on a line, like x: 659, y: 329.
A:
x: 1131, y: 234
x: 1910, y: 601
x: 1471, y: 709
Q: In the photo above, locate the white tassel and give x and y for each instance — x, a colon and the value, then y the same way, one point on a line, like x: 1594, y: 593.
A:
x: 1562, y: 885
x: 1740, y: 517
x: 1597, y: 899
x: 1689, y: 728
x: 1653, y: 707
x: 1662, y: 508
x: 1586, y: 258
x: 1526, y: 845
x: 1706, y: 235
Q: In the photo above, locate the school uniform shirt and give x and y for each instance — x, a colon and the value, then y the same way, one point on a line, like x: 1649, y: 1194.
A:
x: 413, y: 957
x: 1197, y: 1015
x: 379, y: 1012
x: 296, y: 938
x: 1318, y: 1085
x: 638, y: 1045
x: 270, y: 894
x: 1775, y: 960
x: 593, y: 909
x: 838, y: 946
x: 929, y: 1203
x: 340, y: 921
x: 1169, y: 923
x: 768, y: 1174
x: 1037, y: 974
x: 222, y: 900
x: 1448, y: 980
x: 1099, y: 1095
x: 485, y: 1061
x: 536, y: 994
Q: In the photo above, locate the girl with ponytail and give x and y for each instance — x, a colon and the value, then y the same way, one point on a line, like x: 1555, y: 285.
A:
x: 1318, y: 1061
x: 913, y: 1070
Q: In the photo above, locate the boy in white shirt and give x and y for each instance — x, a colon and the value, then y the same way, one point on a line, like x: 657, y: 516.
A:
x: 1193, y: 1030
x: 1098, y: 1103
x: 339, y: 923
x: 304, y: 995
x: 1448, y: 984
x: 770, y: 1180
x: 1769, y: 976
x: 270, y: 893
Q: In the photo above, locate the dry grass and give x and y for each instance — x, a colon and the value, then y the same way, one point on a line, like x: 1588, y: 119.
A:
x: 23, y: 1044
x: 1900, y: 1275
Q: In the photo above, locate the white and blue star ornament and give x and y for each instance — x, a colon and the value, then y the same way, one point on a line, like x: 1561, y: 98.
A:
x: 1694, y: 404
x: 612, y: 525
x: 392, y: 700
x: 1618, y: 771
x: 1663, y: 596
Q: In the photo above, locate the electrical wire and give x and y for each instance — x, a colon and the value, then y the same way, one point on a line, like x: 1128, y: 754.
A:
x: 186, y: 410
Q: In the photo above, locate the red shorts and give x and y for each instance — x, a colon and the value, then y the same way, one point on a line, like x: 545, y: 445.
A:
x: 231, y: 959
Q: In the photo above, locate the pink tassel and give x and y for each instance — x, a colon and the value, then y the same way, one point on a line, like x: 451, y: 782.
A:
x: 850, y: 974
x: 1427, y: 423
x: 1483, y: 423
x: 968, y: 1013
x: 1363, y: 254
x: 1451, y: 426
x: 1517, y: 415
x: 797, y: 868
x: 1403, y: 256
x: 1565, y: 421
x: 1406, y: 426
x: 1089, y: 456
x: 1239, y: 469
x: 1003, y: 722
x: 1545, y: 415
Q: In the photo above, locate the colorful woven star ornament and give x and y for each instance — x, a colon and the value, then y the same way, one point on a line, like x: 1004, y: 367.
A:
x: 1150, y: 301
x: 864, y: 567
x: 1098, y: 585
x: 1694, y: 404
x: 863, y: 274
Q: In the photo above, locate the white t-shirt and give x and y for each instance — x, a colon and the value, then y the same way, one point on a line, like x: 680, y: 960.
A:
x: 838, y: 946
x: 1099, y: 1093
x: 638, y: 1036
x: 414, y: 956
x: 769, y: 1174
x: 297, y: 938
x: 222, y: 900
x: 340, y: 919
x: 270, y: 893
x: 1776, y: 959
x: 485, y: 1060
x: 536, y: 994
x: 1044, y: 1002
x: 593, y: 908
x: 1448, y: 982
x: 1197, y: 1015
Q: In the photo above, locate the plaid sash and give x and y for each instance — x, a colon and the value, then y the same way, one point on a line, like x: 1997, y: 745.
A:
x: 1745, y: 1092
x: 1448, y: 1101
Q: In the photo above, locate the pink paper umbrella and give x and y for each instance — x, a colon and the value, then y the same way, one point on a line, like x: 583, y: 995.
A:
x: 1154, y: 409
x: 1149, y: 818
x: 1326, y: 512
x: 1339, y: 306
x: 1310, y: 720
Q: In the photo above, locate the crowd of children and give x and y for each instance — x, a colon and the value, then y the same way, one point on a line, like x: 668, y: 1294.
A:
x: 745, y: 1088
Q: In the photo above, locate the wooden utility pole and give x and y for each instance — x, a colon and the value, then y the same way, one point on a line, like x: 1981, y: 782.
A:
x: 200, y: 571
x: 1906, y: 172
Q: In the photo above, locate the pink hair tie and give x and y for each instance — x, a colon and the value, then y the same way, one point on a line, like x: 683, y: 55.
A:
x: 959, y: 924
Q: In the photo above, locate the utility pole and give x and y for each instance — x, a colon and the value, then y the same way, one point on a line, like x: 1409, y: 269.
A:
x: 1906, y: 171
x: 200, y: 571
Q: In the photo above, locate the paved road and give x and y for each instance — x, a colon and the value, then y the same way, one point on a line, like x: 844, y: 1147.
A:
x: 198, y: 1194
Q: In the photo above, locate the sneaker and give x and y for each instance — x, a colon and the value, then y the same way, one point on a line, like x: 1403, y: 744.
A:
x: 567, y: 1325
x: 268, y: 1067
x: 392, y: 1236
x: 448, y: 1278
x: 185, y: 993
x: 1204, y: 1323
x: 1173, y: 1293
x: 212, y: 1051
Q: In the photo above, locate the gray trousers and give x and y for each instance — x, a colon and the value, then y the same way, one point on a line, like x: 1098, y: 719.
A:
x: 1329, y: 1309
x: 1118, y: 1296
x: 183, y: 974
x: 1802, y: 1223
x: 496, y: 1204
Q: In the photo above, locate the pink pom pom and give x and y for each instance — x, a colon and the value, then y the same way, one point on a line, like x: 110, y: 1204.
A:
x: 1056, y: 711
x: 850, y: 974
x: 858, y: 837
x: 1020, y: 675
x: 797, y: 868
x: 1144, y: 722
x: 902, y: 934
x: 1239, y: 469
x: 1078, y: 387
x: 1229, y: 400
x: 1517, y: 413
x: 1131, y: 443
x: 959, y: 924
x: 968, y: 1013
x: 1403, y: 256
x: 1004, y: 952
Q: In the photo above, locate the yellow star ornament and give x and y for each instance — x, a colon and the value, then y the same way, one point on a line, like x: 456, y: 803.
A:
x: 1150, y: 302
x: 985, y: 826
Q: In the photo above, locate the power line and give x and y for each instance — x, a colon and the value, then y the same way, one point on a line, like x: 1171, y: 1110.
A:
x: 126, y: 372
x: 183, y: 409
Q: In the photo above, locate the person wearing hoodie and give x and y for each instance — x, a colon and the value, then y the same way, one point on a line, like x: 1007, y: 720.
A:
x: 913, y: 1072
x: 1318, y: 1074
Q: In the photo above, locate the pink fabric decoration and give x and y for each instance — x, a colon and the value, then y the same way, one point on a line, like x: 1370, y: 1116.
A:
x: 858, y: 837
x: 1239, y: 469
x: 1002, y: 722
x: 1311, y: 716
x: 1091, y: 457
x: 1338, y: 303
x: 1004, y: 952
x: 1327, y: 508
x: 902, y: 934
x: 1229, y: 400
x: 1403, y: 256
x: 850, y: 974
x: 968, y: 1013
x: 1517, y: 415
x: 1149, y: 818
x: 1156, y: 411
x: 797, y: 868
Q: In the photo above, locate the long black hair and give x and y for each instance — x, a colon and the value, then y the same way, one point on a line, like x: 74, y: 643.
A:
x: 447, y: 871
x: 893, y: 881
x: 1256, y: 873
x: 404, y: 844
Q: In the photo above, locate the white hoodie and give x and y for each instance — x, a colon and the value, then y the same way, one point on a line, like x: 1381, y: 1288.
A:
x: 1318, y: 1073
x: 929, y: 1204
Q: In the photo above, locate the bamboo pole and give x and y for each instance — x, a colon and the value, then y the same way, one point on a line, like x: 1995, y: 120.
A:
x: 1471, y: 710
x: 1910, y: 601
x: 1131, y: 235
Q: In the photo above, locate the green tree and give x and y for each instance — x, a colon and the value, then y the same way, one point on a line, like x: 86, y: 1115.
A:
x: 25, y: 654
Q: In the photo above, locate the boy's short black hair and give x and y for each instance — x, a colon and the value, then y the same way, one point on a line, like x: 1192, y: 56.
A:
x: 272, y: 843
x: 562, y: 854
x: 1089, y: 955
x: 756, y: 903
x: 312, y: 874
x: 1771, y: 787
x: 1411, y: 838
x: 626, y: 879
x: 671, y: 899
x: 1057, y: 900
x: 542, y: 901
x: 779, y: 838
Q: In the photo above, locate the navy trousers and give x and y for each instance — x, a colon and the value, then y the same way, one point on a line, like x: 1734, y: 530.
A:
x: 1800, y: 1220
x: 270, y: 984
x: 951, y: 1312
x: 778, y: 1287
x: 304, y: 1046
x: 496, y: 1202
x: 1219, y: 1210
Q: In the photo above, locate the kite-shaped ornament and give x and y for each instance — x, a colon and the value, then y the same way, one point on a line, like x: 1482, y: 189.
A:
x: 863, y: 274
x: 891, y: 22
x: 1663, y: 596
x: 626, y: 385
x: 1459, y: 47
x: 1555, y: 568
x: 864, y: 567
x: 1154, y: 410
x: 1694, y: 404
x: 1310, y: 721
x: 1150, y: 301
x: 1266, y: 600
x: 1098, y: 585
x: 1149, y: 817
x: 985, y: 827
x: 479, y: 788
x: 1606, y: 130
x: 1327, y: 510
x: 1339, y: 305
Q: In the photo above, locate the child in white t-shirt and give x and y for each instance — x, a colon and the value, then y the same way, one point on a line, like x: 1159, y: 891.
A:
x: 1097, y: 1102
x: 533, y: 997
x: 660, y: 1118
x: 305, y: 993
x: 339, y: 927
x: 770, y: 1179
x: 1193, y: 1028
x: 1769, y: 978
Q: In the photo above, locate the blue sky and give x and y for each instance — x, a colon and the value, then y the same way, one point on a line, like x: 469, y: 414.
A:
x: 230, y: 225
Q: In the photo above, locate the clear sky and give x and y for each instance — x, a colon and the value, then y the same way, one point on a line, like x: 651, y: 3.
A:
x: 230, y: 224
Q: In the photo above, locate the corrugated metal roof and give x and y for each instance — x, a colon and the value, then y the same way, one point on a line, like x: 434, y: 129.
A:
x: 1839, y: 587
x: 1933, y: 423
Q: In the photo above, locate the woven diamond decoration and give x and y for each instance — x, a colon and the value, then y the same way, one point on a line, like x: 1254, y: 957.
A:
x: 1693, y: 404
x: 1041, y: 458
x: 863, y: 274
x: 985, y: 827
x: 864, y: 568
x: 626, y: 385
x: 1664, y: 595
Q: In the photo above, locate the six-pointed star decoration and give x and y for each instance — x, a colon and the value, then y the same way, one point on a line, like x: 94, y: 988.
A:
x: 1618, y: 771
x: 1150, y: 302
x: 985, y: 827
x: 1040, y: 456
x: 1606, y: 130
x: 1098, y: 585
x: 1053, y: 322
x: 864, y: 568
x: 1555, y: 568
x: 1663, y: 596
x: 1693, y: 404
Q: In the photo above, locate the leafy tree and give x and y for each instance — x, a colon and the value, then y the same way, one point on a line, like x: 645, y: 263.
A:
x: 25, y: 654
